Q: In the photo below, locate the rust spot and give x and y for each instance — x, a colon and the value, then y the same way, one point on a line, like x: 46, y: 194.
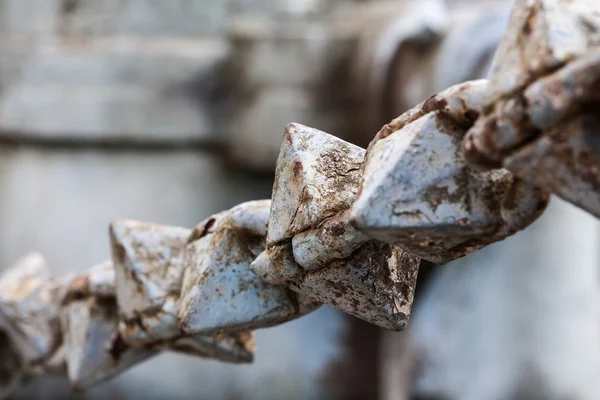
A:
x: 201, y: 231
x: 77, y: 290
x: 434, y: 104
x: 476, y: 158
x: 297, y: 169
x: 471, y: 115
x: 305, y: 196
x: 386, y: 131
x: 119, y: 251
x: 511, y: 200
x: 338, y: 229
x: 530, y: 22
x: 288, y: 135
x: 436, y: 195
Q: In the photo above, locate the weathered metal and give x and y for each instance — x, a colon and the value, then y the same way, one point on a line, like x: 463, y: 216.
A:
x: 418, y: 191
x: 346, y: 227
x: 148, y: 262
x: 29, y: 307
x: 539, y: 116
x: 149, y: 267
x: 94, y: 348
x: 220, y: 292
x: 316, y: 182
x: 334, y: 239
x: 95, y: 341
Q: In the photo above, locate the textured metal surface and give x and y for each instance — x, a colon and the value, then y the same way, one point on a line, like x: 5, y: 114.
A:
x: 148, y: 261
x: 335, y: 238
x: 419, y: 193
x: 220, y: 292
x: 539, y: 117
x: 345, y: 227
x: 317, y: 177
x: 29, y: 305
x: 94, y: 349
x: 311, y: 245
x: 149, y: 266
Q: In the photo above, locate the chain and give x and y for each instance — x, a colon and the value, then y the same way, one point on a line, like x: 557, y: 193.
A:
x: 345, y: 227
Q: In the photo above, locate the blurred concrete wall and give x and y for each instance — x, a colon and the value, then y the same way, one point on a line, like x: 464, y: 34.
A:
x: 105, y: 113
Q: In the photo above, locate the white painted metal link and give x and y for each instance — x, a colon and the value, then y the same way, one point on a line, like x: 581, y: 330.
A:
x: 345, y: 227
x: 540, y: 115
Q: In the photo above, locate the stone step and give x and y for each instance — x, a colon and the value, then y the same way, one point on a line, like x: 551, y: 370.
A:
x: 102, y: 113
x: 74, y: 18
x: 154, y: 62
x: 113, y: 17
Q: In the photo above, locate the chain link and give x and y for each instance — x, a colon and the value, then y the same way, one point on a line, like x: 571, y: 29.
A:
x: 345, y: 227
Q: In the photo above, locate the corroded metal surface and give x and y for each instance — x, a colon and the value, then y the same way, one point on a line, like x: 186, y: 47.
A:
x: 29, y: 305
x: 316, y: 177
x: 93, y: 347
x: 564, y: 161
x: 376, y: 283
x: 539, y: 115
x: 311, y: 245
x: 419, y: 193
x: 148, y: 261
x: 94, y: 350
x: 95, y: 343
x: 334, y: 239
x: 345, y: 227
x: 149, y: 267
x: 220, y: 292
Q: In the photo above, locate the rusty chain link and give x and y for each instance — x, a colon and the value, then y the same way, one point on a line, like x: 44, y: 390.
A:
x: 345, y: 227
x: 540, y: 116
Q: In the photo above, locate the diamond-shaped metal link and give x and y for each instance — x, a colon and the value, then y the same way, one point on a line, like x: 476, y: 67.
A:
x: 345, y: 227
x: 540, y: 115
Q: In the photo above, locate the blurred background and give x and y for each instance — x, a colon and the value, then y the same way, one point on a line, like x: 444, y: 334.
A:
x: 170, y: 110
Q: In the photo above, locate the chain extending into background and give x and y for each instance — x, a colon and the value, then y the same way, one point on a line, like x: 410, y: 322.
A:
x: 346, y: 227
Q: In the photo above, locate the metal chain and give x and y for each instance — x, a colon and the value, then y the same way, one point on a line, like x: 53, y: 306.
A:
x: 345, y: 227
